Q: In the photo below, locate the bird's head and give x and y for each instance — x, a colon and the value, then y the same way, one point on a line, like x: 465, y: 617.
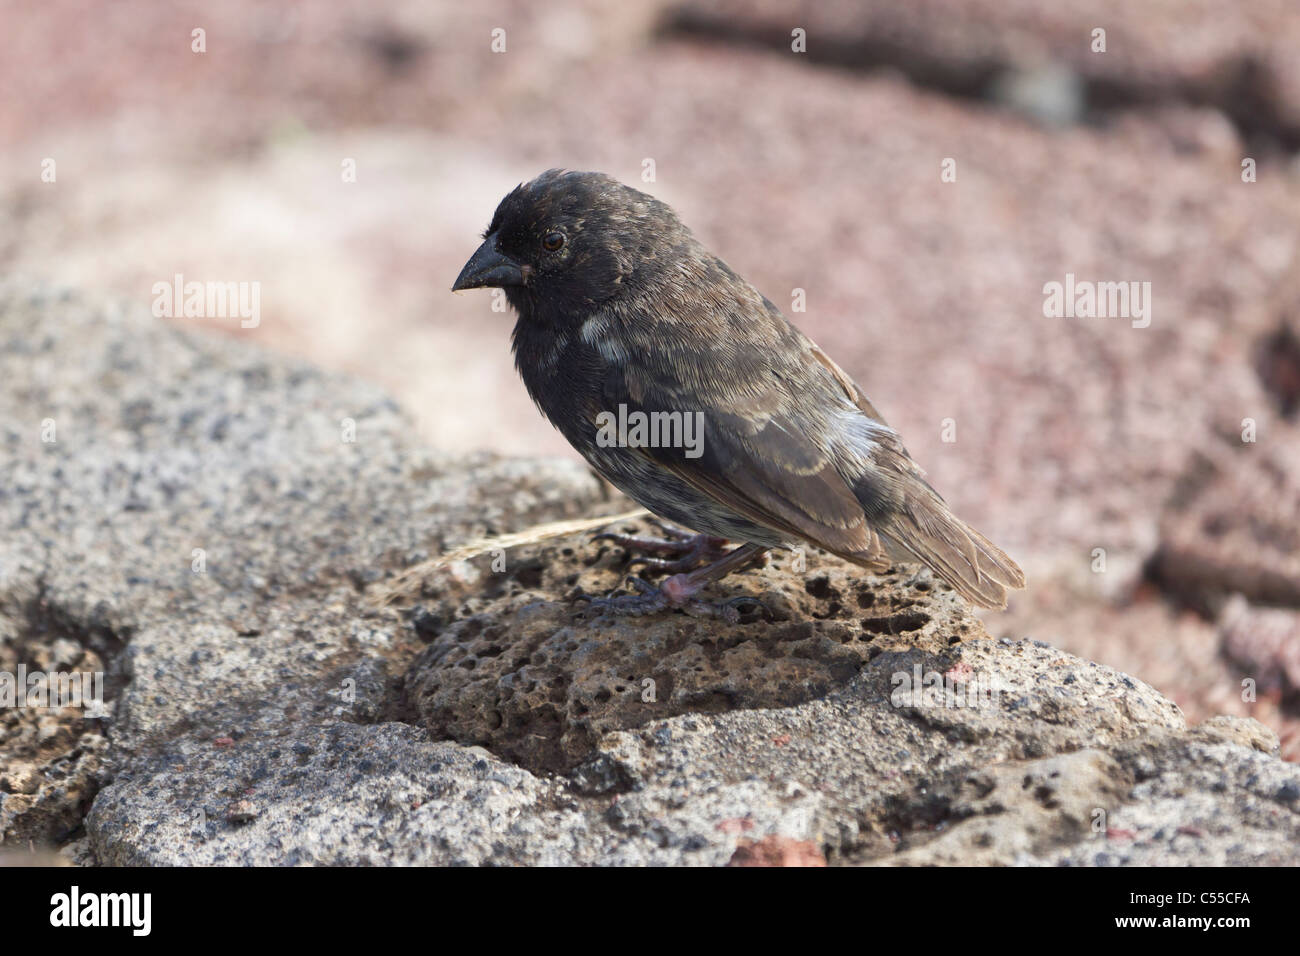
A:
x: 567, y: 242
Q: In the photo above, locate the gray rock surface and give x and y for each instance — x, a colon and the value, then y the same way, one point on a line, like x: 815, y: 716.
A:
x: 273, y: 708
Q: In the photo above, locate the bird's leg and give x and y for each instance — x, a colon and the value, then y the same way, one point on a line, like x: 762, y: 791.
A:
x: 687, y: 550
x: 680, y: 590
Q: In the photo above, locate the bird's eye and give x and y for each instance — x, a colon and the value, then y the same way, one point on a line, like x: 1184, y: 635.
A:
x: 553, y: 241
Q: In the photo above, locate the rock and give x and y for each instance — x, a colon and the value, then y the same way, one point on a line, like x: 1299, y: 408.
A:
x: 1236, y: 730
x: 532, y: 680
x: 378, y: 795
x: 52, y: 758
x: 1171, y: 647
x: 777, y: 851
x: 1233, y: 523
x: 1166, y: 52
x: 1160, y: 799
x: 1265, y: 642
x: 1196, y: 803
x: 1018, y: 813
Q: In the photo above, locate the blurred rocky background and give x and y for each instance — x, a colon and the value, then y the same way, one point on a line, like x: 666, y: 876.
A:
x: 1145, y: 477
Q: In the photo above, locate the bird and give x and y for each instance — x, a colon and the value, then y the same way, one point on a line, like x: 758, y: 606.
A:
x: 689, y: 391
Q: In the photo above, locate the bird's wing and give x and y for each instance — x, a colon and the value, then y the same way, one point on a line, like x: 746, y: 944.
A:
x: 766, y: 453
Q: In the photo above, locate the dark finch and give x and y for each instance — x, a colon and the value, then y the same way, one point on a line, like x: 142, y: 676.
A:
x: 622, y: 311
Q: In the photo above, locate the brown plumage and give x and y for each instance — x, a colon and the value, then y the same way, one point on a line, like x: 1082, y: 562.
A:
x: 621, y: 307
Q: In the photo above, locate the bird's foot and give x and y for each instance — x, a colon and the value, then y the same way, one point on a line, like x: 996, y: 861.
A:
x: 679, y: 551
x: 674, y: 594
x: 679, y: 591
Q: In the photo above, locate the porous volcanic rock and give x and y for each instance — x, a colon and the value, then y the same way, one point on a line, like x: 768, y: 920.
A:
x: 532, y: 677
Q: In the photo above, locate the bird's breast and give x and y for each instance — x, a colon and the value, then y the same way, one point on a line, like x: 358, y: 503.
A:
x: 564, y: 377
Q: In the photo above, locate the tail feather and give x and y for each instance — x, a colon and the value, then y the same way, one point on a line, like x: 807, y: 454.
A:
x: 975, y: 567
x: 922, y: 527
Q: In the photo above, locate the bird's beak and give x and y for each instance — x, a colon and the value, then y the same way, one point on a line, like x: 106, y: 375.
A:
x: 489, y: 268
